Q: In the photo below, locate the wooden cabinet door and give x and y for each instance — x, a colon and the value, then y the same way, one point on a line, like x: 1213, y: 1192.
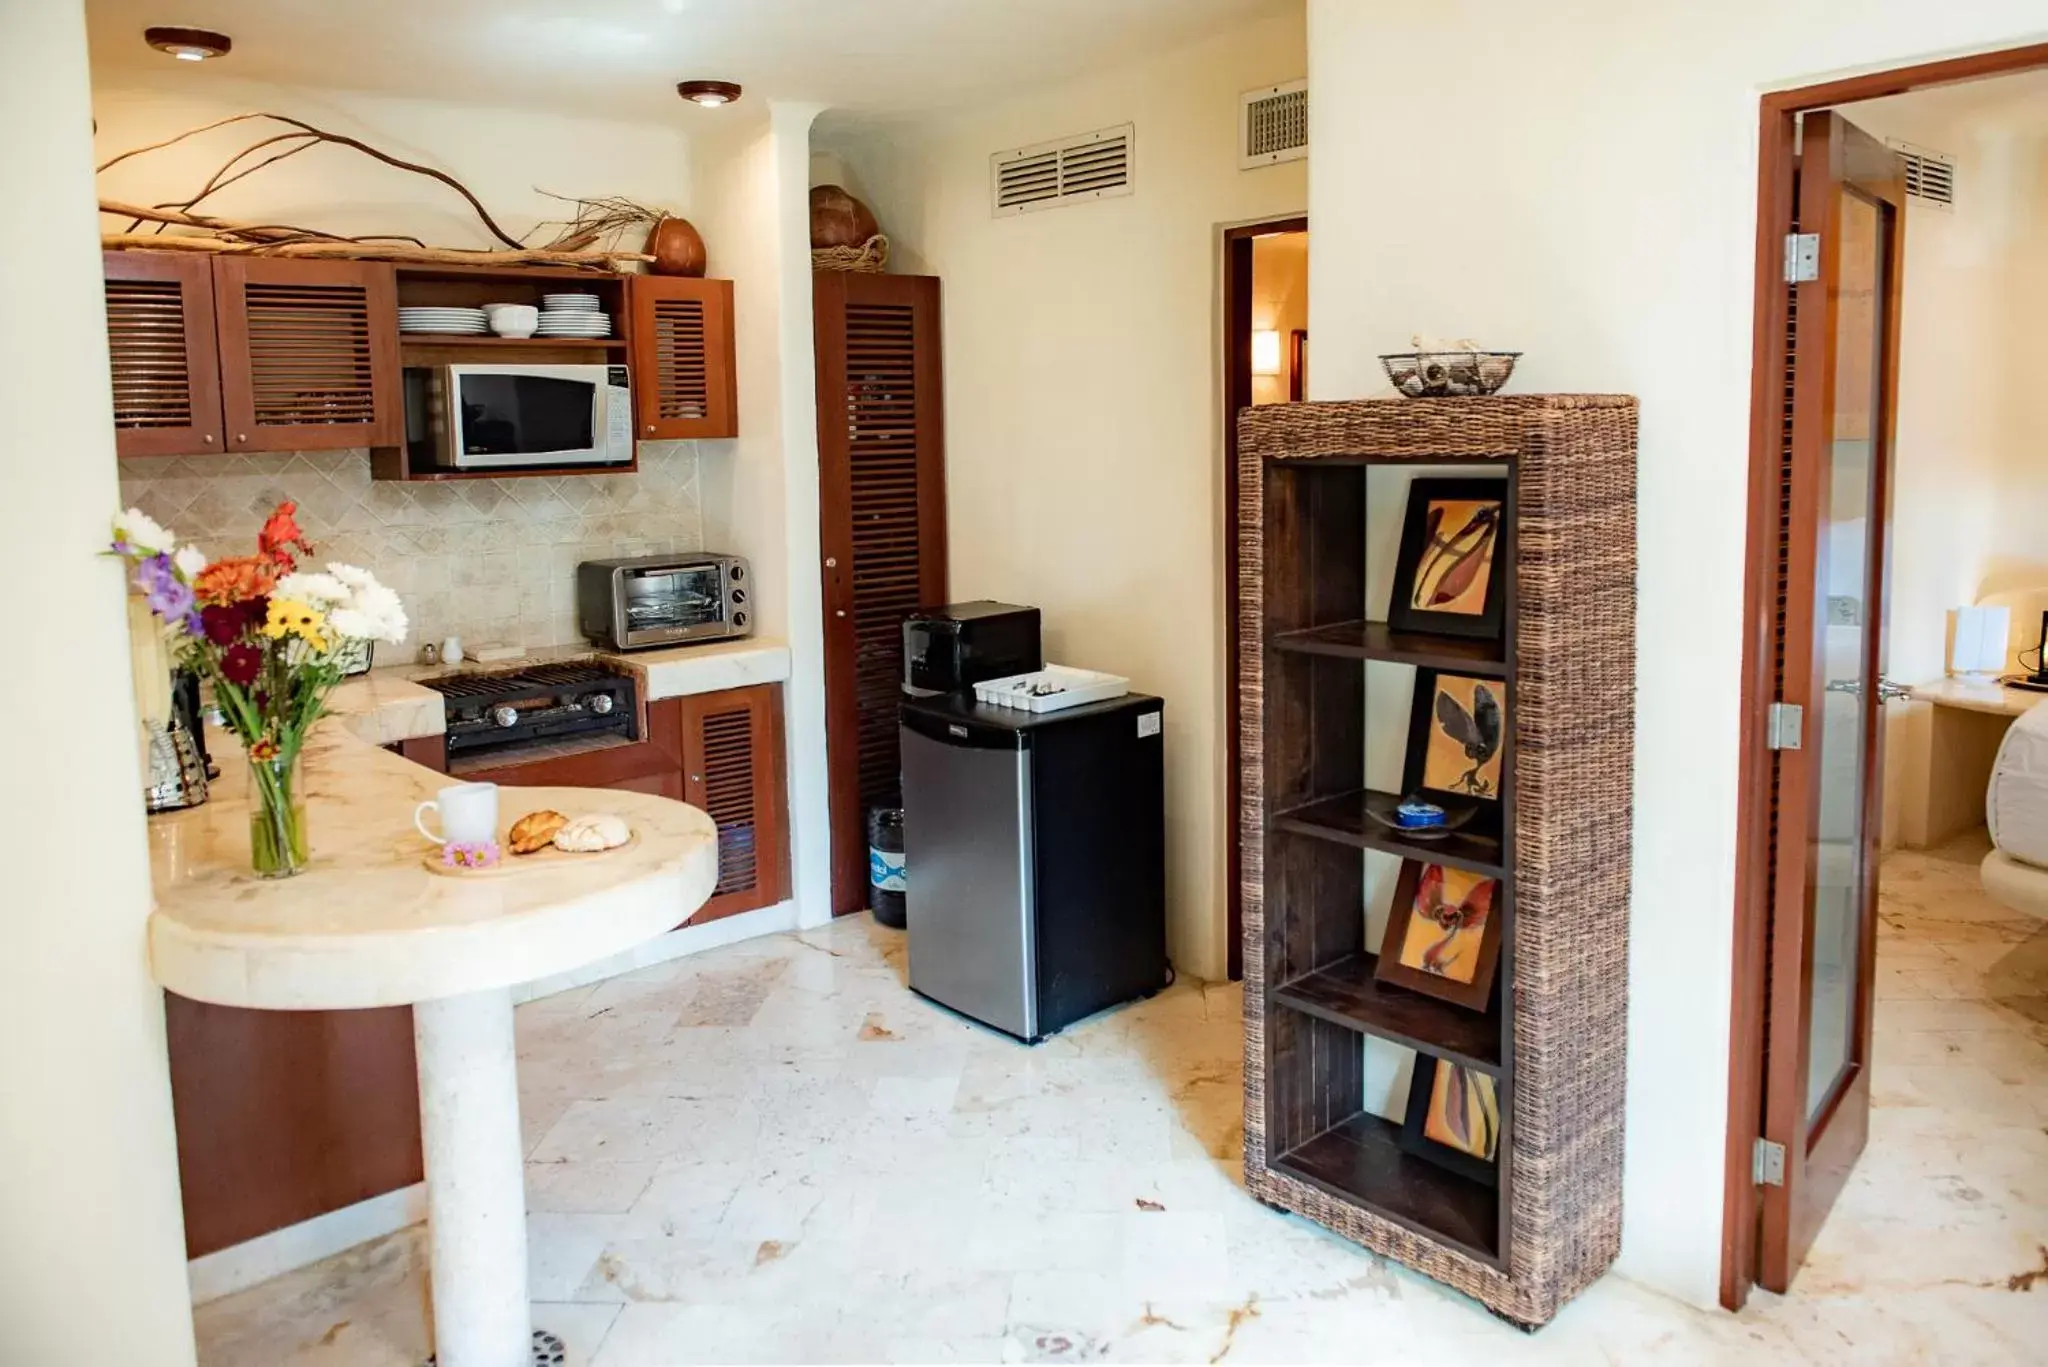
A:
x: 882, y: 531
x: 733, y: 769
x: 684, y: 384
x: 308, y: 353
x: 160, y: 340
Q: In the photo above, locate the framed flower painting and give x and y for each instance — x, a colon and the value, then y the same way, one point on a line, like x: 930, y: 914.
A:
x: 1453, y: 1119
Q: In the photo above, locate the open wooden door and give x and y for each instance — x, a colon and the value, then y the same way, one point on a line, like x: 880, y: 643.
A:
x: 1844, y: 367
x: 882, y: 532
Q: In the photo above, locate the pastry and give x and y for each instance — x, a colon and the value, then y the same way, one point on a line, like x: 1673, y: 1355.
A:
x: 598, y: 831
x: 534, y: 830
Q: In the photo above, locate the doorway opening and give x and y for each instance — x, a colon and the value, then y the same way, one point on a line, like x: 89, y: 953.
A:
x: 1883, y: 495
x: 1265, y: 360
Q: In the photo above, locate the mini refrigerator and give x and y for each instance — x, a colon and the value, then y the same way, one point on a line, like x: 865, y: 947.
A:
x: 1034, y: 858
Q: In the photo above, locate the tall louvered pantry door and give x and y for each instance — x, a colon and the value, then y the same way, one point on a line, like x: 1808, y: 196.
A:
x: 882, y: 524
x: 308, y: 354
x: 160, y: 340
x: 733, y: 769
x: 684, y: 385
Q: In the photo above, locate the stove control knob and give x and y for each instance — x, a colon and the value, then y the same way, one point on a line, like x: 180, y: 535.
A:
x: 600, y: 703
x: 505, y: 716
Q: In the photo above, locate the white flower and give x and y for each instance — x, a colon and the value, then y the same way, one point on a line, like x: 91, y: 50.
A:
x: 355, y: 576
x: 322, y: 591
x: 148, y: 536
x: 189, y: 560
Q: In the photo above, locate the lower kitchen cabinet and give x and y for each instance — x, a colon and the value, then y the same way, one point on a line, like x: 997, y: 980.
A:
x: 286, y: 1115
x: 733, y: 768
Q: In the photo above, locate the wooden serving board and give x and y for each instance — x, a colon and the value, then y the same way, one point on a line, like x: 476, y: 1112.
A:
x: 545, y: 857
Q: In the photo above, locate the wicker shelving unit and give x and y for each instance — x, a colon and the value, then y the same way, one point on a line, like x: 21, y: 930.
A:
x: 1552, y: 1039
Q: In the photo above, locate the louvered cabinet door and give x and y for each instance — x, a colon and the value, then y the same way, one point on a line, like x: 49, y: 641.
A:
x: 160, y: 340
x: 882, y: 531
x: 733, y: 769
x: 683, y: 379
x: 308, y: 353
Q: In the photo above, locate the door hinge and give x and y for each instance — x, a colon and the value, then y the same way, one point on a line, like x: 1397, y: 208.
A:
x: 1767, y: 1163
x: 1802, y: 257
x: 1783, y: 724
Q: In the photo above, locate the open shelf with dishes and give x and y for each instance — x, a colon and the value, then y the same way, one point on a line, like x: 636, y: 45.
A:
x: 1390, y: 759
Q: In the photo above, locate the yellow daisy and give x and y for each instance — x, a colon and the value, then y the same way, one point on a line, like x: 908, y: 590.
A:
x: 289, y: 617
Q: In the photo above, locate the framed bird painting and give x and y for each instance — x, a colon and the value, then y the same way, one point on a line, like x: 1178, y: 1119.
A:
x: 1446, y: 575
x: 1443, y: 934
x: 1457, y: 736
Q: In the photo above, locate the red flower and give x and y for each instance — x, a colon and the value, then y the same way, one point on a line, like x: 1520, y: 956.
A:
x: 263, y: 749
x: 281, y: 540
x: 241, y: 664
x: 222, y: 625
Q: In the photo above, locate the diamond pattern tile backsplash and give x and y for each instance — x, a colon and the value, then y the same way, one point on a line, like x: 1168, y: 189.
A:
x: 491, y: 560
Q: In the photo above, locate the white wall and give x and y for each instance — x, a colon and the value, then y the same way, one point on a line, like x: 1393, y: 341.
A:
x: 92, y: 1248
x: 1083, y: 442
x: 1602, y: 218
x: 755, y: 185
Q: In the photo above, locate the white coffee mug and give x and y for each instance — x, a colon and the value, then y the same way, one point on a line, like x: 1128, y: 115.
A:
x: 468, y: 812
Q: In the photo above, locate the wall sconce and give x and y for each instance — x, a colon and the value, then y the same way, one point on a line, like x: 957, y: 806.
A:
x: 1265, y: 352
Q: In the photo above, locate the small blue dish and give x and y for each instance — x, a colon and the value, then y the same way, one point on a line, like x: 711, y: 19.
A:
x: 1416, y: 815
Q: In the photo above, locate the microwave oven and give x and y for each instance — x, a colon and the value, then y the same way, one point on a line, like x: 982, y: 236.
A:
x: 517, y: 417
x: 663, y: 600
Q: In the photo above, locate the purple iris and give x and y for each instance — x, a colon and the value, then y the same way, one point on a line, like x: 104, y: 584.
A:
x: 169, y: 596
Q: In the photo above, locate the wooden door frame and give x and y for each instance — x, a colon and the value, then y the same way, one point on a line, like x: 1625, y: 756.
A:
x: 1777, y: 140
x: 1237, y: 394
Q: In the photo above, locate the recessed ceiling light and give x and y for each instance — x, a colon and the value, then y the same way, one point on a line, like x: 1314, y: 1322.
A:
x: 188, y: 44
x: 708, y: 93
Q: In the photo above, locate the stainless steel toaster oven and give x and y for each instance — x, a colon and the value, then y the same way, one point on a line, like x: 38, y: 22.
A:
x: 664, y: 600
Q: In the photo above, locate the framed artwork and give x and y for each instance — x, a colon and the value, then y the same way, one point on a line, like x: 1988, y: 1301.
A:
x: 1454, y: 1119
x: 1457, y: 737
x: 1445, y: 576
x: 1443, y: 934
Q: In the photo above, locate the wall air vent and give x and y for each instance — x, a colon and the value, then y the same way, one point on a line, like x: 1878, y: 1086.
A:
x: 1273, y: 125
x: 1930, y: 176
x: 1047, y: 175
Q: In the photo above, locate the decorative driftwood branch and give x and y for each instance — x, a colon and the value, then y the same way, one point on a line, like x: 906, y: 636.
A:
x: 359, y: 249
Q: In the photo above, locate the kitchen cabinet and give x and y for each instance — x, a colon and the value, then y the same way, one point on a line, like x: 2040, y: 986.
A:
x: 160, y: 338
x: 249, y: 354
x: 308, y: 353
x: 286, y: 1115
x: 733, y: 769
x: 684, y: 384
x: 881, y: 531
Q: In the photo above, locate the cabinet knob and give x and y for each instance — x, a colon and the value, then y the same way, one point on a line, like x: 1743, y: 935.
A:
x: 241, y: 438
x: 831, y: 562
x: 840, y: 613
x: 208, y: 438
x: 650, y: 429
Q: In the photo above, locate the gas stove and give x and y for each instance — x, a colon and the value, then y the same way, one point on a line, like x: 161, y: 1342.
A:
x: 502, y: 714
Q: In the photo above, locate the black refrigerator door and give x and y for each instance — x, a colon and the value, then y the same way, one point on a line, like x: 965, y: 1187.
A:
x: 1098, y: 789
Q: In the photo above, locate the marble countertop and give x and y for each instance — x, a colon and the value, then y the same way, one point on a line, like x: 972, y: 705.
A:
x: 368, y: 923
x: 388, y: 705
x: 1973, y: 695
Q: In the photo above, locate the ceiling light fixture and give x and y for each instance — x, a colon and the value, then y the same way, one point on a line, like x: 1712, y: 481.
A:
x: 710, y: 94
x: 188, y: 44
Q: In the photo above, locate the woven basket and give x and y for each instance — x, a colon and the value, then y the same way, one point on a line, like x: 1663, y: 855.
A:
x: 870, y: 256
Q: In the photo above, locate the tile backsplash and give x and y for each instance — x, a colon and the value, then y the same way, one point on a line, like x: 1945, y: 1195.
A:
x: 491, y: 560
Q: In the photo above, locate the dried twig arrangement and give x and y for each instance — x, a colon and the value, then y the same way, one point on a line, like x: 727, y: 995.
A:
x: 594, y: 219
x: 597, y: 220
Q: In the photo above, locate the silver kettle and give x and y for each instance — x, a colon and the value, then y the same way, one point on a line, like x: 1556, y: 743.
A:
x: 177, y: 773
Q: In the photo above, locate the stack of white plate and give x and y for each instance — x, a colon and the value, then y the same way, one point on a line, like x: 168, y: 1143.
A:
x: 453, y: 321
x: 573, y: 315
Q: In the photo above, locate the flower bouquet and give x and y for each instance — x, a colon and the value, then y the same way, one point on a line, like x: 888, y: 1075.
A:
x: 273, y: 640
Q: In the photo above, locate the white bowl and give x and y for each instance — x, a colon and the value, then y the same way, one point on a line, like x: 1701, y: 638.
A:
x: 513, y: 320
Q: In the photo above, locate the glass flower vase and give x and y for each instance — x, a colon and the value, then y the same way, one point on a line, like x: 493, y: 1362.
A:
x: 277, y: 818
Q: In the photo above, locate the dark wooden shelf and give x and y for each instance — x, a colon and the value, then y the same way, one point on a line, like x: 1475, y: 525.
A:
x: 413, y: 339
x: 1369, y: 640
x: 1346, y: 994
x: 1475, y: 848
x: 1361, y: 1160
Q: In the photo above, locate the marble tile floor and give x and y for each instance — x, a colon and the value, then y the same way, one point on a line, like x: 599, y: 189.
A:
x: 774, y: 1153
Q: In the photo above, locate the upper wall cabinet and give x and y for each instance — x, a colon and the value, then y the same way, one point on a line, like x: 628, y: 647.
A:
x: 682, y: 357
x: 309, y: 353
x: 166, y: 369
